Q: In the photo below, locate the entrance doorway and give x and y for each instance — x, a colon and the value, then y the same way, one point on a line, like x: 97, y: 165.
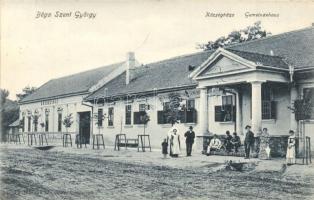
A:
x: 84, y: 126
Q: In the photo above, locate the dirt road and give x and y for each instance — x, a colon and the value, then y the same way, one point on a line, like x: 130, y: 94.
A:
x: 32, y: 174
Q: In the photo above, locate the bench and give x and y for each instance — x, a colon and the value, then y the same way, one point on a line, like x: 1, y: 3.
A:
x: 132, y: 142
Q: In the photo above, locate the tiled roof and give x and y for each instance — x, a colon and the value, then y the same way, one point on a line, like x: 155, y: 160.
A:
x: 168, y: 73
x: 73, y: 84
x: 295, y: 46
x: 15, y: 123
x: 265, y: 60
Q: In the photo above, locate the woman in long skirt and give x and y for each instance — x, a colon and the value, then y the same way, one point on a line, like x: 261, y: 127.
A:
x: 175, y: 143
x: 291, y: 149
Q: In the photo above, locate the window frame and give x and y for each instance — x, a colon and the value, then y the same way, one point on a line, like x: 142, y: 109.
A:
x: 29, y: 123
x: 128, y: 114
x: 227, y: 104
x: 269, y: 106
x: 46, y: 122
x: 60, y: 122
x: 100, y: 113
x: 110, y: 116
x: 185, y: 115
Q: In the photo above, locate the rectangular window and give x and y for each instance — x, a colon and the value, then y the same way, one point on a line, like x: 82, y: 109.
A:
x: 100, y: 117
x: 268, y: 105
x: 128, y: 114
x: 226, y: 112
x: 143, y: 107
x: 138, y: 117
x: 23, y: 124
x: 187, y: 114
x: 47, y: 122
x: 110, y: 116
x: 59, y: 122
x: 29, y: 123
x: 308, y: 96
x: 35, y: 123
x: 166, y: 106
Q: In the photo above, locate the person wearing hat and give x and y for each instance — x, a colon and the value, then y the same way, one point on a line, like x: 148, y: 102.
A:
x: 248, y: 141
x: 189, y: 135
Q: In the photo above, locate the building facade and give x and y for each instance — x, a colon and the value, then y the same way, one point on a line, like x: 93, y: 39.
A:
x: 253, y: 83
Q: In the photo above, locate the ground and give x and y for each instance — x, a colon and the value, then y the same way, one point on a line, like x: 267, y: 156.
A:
x: 70, y: 173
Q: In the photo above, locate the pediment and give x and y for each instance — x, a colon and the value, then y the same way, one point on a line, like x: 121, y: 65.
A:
x: 222, y: 65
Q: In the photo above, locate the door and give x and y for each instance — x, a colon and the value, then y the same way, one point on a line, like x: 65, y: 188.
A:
x: 84, y: 126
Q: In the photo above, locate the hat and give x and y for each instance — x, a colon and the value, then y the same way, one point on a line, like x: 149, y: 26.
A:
x: 248, y: 126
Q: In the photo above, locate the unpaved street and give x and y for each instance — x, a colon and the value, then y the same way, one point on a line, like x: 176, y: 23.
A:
x: 27, y: 173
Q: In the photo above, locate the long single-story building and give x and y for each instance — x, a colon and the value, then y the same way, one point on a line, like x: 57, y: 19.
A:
x: 255, y: 83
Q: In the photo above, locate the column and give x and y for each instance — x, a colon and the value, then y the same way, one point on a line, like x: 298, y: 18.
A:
x: 256, y: 107
x: 239, y: 129
x: 203, y: 119
x: 293, y: 97
x: 203, y: 111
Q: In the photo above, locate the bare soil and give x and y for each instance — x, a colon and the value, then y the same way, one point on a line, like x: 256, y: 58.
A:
x: 27, y: 173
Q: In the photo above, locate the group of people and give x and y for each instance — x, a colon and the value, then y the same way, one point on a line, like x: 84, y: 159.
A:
x: 230, y: 142
x: 172, y: 142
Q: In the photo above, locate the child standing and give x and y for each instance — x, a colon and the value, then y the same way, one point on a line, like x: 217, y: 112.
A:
x: 164, y: 146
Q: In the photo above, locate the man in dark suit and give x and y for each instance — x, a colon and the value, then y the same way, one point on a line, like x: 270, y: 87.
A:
x: 189, y: 135
x: 248, y: 141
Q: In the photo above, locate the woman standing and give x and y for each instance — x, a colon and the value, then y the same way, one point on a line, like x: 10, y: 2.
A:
x: 264, y: 144
x: 291, y: 149
x: 175, y: 143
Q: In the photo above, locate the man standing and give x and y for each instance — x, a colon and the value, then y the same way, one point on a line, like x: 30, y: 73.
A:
x: 248, y: 141
x: 189, y: 135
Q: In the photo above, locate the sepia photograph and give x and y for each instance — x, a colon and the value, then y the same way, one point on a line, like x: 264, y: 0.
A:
x: 156, y: 99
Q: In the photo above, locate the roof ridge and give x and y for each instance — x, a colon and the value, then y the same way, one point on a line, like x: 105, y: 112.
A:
x: 233, y: 45
x: 89, y: 70
x: 180, y: 56
x: 270, y: 37
x: 256, y: 53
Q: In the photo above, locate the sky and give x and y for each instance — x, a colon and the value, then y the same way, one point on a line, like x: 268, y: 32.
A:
x: 35, y: 50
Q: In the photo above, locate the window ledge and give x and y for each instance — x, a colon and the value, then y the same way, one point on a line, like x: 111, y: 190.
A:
x: 190, y: 123
x: 128, y: 126
x: 140, y: 125
x: 110, y: 127
x: 231, y: 122
x: 268, y: 120
x: 165, y: 125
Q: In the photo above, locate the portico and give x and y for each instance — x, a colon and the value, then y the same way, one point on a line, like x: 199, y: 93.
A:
x: 248, y: 81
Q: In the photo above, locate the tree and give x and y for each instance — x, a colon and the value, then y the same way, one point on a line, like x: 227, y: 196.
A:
x: 9, y: 112
x: 68, y: 121
x: 25, y: 92
x: 3, y: 97
x: 144, y: 119
x: 173, y: 110
x: 249, y: 33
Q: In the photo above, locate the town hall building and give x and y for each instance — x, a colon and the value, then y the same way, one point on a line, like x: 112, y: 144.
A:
x: 252, y: 83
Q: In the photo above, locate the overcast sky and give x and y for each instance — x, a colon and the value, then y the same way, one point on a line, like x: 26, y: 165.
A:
x: 34, y: 51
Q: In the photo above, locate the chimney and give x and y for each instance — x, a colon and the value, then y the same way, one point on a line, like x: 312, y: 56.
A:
x: 271, y: 52
x: 130, y: 65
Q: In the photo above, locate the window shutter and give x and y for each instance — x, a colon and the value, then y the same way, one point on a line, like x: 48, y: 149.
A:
x: 273, y: 106
x: 160, y: 117
x: 218, y: 114
x: 136, y: 118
